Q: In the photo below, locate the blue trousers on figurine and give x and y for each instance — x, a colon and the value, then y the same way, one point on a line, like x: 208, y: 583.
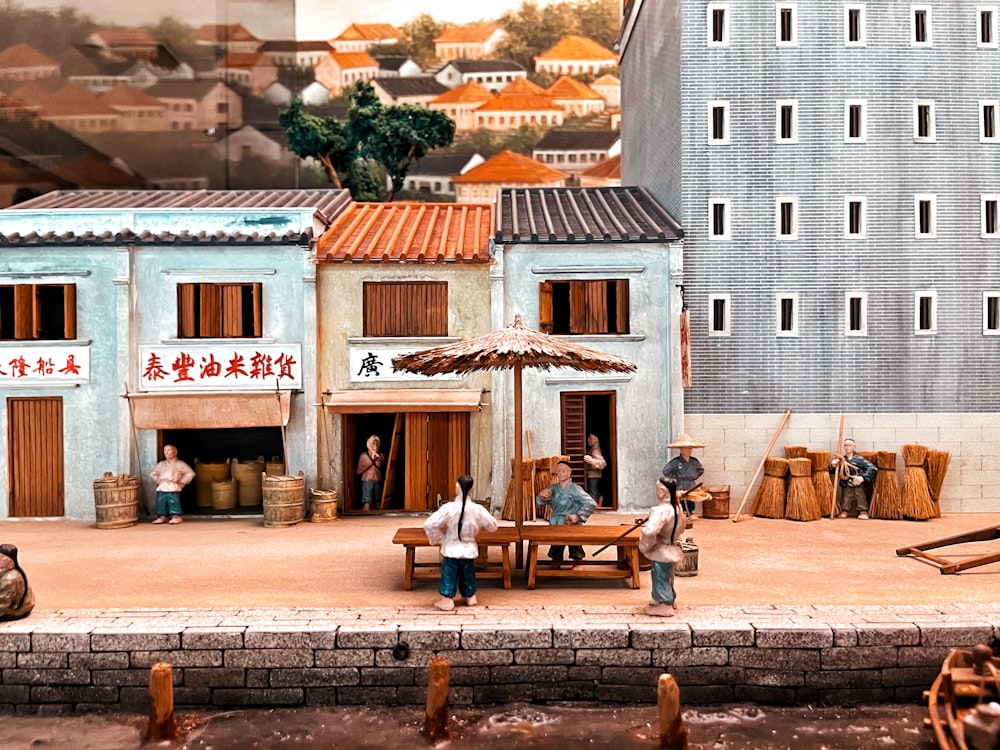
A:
x: 662, y: 575
x: 457, y: 574
x: 371, y: 492
x: 168, y: 504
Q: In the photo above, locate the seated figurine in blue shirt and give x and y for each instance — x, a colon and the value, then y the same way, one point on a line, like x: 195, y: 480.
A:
x: 570, y: 505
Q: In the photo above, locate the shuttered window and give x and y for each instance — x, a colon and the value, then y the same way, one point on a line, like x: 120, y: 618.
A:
x: 583, y: 307
x: 405, y: 308
x: 45, y: 312
x: 219, y: 311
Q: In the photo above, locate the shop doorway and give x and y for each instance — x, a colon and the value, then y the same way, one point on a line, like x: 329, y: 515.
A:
x: 424, y: 453
x: 583, y: 414
x: 216, y: 447
x: 35, y: 457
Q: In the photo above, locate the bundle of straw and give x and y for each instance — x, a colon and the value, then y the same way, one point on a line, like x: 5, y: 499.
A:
x: 887, y: 502
x: 822, y: 482
x: 917, y: 505
x: 936, y: 466
x: 770, y: 499
x: 795, y: 451
x: 801, y: 504
x: 508, y: 512
x: 870, y: 457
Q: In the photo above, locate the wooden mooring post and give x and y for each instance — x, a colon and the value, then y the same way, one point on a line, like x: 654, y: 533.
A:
x: 436, y: 720
x: 161, y: 704
x: 673, y: 733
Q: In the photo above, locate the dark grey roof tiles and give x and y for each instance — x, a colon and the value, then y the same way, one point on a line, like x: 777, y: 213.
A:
x: 574, y: 140
x: 581, y: 215
x: 413, y: 86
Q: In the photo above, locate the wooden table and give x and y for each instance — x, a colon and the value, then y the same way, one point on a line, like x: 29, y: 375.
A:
x: 412, y: 537
x: 584, y: 536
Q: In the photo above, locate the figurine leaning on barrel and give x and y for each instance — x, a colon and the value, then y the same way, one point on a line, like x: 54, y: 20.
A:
x: 852, y: 470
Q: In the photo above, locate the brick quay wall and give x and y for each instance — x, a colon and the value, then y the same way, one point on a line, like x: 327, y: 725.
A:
x: 76, y: 661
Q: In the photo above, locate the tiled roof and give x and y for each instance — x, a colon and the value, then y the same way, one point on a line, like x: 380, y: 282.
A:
x: 486, y: 66
x: 409, y: 233
x: 126, y: 96
x: 351, y: 60
x: 217, y: 32
x: 372, y: 32
x: 440, y: 165
x: 526, y: 103
x: 521, y: 87
x: 177, y: 217
x: 508, y: 166
x: 570, y: 88
x: 466, y: 34
x: 241, y: 60
x: 71, y: 100
x: 577, y: 48
x: 24, y: 56
x: 467, y: 93
x: 412, y: 86
x: 291, y: 45
x: 608, y: 169
x: 120, y: 35
x: 558, y: 139
x: 577, y: 215
x: 391, y: 62
x: 197, y: 89
x: 606, y: 80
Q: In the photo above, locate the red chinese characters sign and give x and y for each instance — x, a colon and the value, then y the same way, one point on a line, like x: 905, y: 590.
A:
x: 234, y: 366
x: 29, y: 365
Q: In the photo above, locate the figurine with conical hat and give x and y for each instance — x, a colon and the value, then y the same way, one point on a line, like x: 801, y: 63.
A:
x: 685, y: 469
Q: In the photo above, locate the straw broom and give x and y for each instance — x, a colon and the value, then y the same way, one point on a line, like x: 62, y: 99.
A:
x: 822, y: 483
x: 887, y: 502
x: 917, y: 505
x: 801, y: 504
x: 936, y: 466
x: 770, y: 499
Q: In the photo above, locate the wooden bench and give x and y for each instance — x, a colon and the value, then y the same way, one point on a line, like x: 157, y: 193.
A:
x: 583, y: 536
x: 412, y: 537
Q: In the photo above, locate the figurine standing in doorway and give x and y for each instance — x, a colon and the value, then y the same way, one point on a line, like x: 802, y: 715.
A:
x: 171, y: 476
x: 370, y: 469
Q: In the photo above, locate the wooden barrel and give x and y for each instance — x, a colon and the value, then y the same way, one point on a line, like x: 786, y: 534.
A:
x: 283, y: 499
x: 688, y: 566
x: 717, y: 506
x: 116, y: 501
x: 204, y: 474
x: 275, y: 466
x: 322, y: 505
x: 224, y: 494
x: 248, y: 481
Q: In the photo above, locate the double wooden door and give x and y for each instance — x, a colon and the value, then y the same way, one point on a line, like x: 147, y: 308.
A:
x: 35, y: 457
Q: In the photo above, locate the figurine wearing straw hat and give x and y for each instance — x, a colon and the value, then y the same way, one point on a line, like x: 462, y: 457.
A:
x: 685, y: 469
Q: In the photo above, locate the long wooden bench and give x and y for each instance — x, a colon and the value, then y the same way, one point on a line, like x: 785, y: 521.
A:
x: 584, y: 536
x: 412, y: 537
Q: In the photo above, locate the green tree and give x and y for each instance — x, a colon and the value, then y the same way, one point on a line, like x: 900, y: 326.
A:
x: 51, y: 33
x: 375, y: 144
x: 420, y: 33
x: 532, y: 30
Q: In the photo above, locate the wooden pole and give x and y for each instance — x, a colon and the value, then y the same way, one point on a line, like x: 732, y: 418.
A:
x: 518, y: 454
x: 531, y: 513
x: 436, y: 719
x: 760, y: 466
x: 836, y: 474
x: 673, y: 733
x: 161, y: 704
x: 281, y: 423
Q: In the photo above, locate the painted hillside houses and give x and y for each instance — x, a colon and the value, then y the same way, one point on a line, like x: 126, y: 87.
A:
x: 841, y: 220
x: 154, y: 318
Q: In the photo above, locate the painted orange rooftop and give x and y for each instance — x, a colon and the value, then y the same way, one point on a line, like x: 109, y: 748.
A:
x: 372, y: 32
x: 470, y: 92
x: 577, y: 48
x: 510, y: 167
x: 570, y: 88
x: 467, y: 34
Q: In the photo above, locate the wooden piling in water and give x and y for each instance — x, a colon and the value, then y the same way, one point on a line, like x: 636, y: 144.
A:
x: 436, y: 719
x: 161, y: 704
x: 673, y: 733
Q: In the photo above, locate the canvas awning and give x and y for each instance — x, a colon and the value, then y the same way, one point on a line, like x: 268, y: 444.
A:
x: 209, y: 411
x: 403, y: 400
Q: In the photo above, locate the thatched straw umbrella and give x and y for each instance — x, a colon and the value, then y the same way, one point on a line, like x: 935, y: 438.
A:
x: 514, y: 347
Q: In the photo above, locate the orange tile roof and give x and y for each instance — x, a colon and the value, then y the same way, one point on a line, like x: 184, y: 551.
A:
x: 240, y: 60
x: 126, y: 96
x: 519, y: 104
x: 24, y: 56
x: 609, y: 168
x: 470, y: 92
x: 370, y: 32
x: 510, y: 167
x: 606, y: 80
x: 218, y: 32
x: 520, y: 86
x: 350, y: 60
x: 467, y: 34
x: 126, y: 35
x: 73, y: 99
x: 570, y: 88
x: 577, y: 48
x: 406, y: 232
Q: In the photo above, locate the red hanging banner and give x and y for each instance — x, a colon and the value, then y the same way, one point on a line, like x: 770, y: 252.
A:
x: 685, y: 350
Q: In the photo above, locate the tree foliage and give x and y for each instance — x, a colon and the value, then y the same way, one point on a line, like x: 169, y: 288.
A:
x: 420, y: 34
x: 532, y: 30
x: 375, y: 144
x: 50, y: 32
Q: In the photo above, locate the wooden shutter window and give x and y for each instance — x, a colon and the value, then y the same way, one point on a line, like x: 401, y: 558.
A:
x: 622, y: 306
x: 596, y: 312
x: 413, y: 308
x: 69, y: 311
x: 24, y: 311
x: 232, y: 311
x: 185, y: 311
x: 545, y: 307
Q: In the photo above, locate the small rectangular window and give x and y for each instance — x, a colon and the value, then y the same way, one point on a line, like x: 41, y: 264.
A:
x: 988, y: 121
x: 920, y: 25
x: 719, y: 323
x: 854, y: 25
x: 855, y: 120
x: 219, y: 311
x: 925, y: 312
x: 718, y: 123
x: 786, y: 31
x: 987, y: 27
x: 991, y: 313
x: 856, y: 314
x: 923, y: 121
x: 787, y: 121
x: 787, y: 218
x: 583, y: 307
x: 990, y: 223
x: 404, y: 308
x: 43, y: 312
x: 855, y: 217
x: 925, y: 215
x: 786, y: 309
x: 718, y: 25
x: 718, y: 219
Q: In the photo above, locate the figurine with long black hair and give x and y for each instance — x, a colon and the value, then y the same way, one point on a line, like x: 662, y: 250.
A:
x: 659, y: 540
x: 454, y: 526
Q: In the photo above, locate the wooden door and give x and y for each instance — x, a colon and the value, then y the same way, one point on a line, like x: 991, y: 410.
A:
x: 35, y: 456
x: 350, y: 453
x: 583, y: 413
x: 574, y: 432
x: 437, y: 452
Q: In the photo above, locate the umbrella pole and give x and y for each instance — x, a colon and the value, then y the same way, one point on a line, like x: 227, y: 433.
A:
x: 518, y: 467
